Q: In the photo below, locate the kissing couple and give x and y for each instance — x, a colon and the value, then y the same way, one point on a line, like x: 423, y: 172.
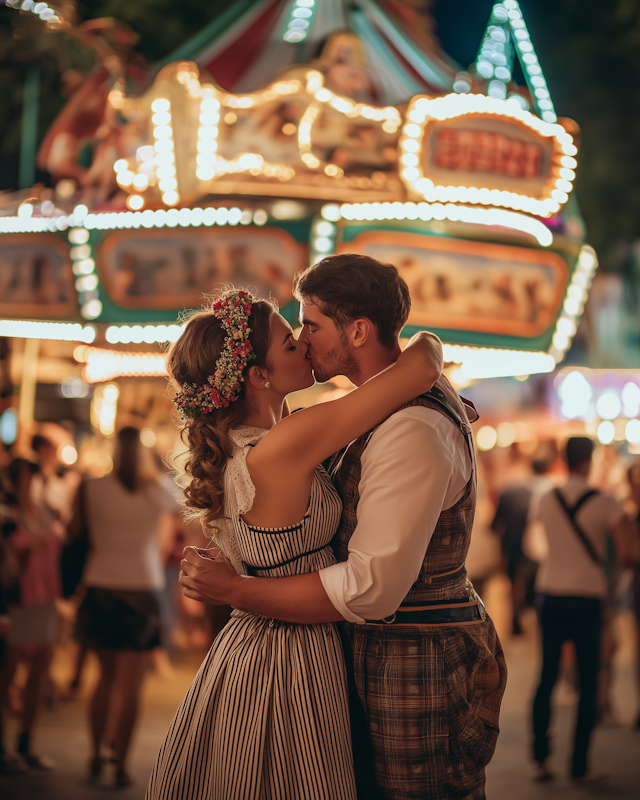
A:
x: 359, y: 662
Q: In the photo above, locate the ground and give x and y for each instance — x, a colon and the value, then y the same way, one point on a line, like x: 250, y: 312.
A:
x: 616, y: 749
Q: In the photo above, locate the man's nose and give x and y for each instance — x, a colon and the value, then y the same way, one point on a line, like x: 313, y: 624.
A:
x: 303, y: 336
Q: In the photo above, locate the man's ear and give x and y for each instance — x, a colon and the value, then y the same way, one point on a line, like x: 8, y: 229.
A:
x: 257, y: 376
x: 360, y: 332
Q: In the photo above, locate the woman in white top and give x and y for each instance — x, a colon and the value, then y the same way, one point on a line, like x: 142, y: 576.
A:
x: 123, y: 514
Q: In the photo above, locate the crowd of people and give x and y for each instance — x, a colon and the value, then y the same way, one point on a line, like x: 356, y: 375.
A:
x: 117, y: 575
x: 572, y: 551
x: 109, y: 548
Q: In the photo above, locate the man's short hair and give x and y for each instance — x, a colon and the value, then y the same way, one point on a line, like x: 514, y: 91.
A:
x: 633, y: 470
x: 38, y: 442
x: 349, y: 286
x: 578, y: 451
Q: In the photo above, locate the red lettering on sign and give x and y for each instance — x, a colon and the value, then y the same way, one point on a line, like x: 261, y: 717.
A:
x: 483, y: 151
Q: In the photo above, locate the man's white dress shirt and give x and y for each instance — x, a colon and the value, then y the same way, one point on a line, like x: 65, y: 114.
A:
x: 415, y: 466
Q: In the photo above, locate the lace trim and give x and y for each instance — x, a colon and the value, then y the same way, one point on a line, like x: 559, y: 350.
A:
x: 239, y: 492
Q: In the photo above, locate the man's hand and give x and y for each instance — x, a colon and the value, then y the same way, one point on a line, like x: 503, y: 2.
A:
x: 206, y: 579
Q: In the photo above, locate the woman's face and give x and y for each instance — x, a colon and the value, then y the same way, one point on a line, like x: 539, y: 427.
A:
x: 289, y: 370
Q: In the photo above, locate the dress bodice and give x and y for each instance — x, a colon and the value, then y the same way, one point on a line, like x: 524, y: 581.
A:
x: 277, y: 552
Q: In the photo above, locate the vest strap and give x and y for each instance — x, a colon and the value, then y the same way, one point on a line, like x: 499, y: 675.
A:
x: 443, y: 577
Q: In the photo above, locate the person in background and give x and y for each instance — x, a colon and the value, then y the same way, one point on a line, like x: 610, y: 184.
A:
x: 9, y: 764
x: 571, y: 583
x: 54, y: 485
x: 32, y: 615
x: 119, y: 616
x: 510, y: 523
x: 633, y: 476
x: 171, y: 547
x: 619, y: 588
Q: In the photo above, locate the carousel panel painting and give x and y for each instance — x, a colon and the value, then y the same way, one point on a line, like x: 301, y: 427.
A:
x: 173, y: 269
x: 463, y: 285
x: 35, y: 277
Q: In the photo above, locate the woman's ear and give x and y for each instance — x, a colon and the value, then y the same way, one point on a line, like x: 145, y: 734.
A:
x: 257, y: 377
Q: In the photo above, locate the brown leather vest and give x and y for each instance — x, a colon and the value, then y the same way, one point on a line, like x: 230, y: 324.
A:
x: 449, y: 544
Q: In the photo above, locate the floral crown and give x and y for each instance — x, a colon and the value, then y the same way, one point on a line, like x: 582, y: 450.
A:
x: 223, y: 387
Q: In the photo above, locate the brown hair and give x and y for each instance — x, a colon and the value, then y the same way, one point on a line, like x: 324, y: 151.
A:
x: 349, y: 286
x: 128, y: 458
x: 192, y: 359
x: 578, y: 451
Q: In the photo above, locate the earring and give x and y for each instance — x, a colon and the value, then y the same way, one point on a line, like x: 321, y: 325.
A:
x: 267, y: 384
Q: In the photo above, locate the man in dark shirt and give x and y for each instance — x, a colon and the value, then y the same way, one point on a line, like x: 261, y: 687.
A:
x: 510, y: 523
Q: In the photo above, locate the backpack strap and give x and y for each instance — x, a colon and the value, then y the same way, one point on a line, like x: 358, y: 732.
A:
x: 571, y: 514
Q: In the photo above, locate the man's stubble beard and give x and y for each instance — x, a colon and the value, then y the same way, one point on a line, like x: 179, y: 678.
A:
x: 338, y: 361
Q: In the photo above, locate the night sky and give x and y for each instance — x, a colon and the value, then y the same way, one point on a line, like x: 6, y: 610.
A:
x: 460, y: 25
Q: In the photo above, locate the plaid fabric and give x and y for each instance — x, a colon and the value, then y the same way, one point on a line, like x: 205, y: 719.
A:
x: 429, y: 706
x: 425, y: 700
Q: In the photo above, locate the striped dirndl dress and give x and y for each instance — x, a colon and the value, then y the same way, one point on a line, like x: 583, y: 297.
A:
x: 266, y: 717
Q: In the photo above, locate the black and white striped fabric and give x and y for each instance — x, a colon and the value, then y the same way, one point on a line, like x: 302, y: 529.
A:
x: 266, y: 717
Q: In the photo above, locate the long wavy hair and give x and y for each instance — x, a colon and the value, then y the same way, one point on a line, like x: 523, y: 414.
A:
x: 191, y: 359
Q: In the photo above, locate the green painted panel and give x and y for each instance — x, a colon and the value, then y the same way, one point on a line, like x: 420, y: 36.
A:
x: 567, y: 250
x: 112, y: 312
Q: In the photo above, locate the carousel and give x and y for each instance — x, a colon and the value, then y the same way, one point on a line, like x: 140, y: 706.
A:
x: 285, y: 131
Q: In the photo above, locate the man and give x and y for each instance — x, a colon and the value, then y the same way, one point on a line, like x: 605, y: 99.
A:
x: 510, y: 523
x: 426, y: 667
x: 572, y: 584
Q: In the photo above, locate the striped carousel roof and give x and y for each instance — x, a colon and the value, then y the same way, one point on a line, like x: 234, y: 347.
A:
x: 252, y: 42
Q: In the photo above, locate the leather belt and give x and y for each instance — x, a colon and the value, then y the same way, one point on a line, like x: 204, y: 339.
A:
x: 451, y: 611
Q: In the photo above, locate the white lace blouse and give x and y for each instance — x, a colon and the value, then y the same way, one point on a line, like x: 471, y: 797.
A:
x: 239, y: 491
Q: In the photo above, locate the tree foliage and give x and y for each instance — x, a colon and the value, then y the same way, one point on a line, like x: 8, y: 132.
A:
x: 590, y: 52
x: 162, y: 25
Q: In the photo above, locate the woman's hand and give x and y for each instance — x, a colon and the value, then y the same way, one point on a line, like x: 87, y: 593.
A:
x: 424, y: 351
x: 206, y: 579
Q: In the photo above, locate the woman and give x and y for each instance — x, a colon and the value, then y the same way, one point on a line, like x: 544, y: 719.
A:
x: 120, y: 616
x: 33, y: 618
x: 266, y: 716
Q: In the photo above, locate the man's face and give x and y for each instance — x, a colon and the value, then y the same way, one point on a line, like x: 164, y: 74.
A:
x: 328, y: 345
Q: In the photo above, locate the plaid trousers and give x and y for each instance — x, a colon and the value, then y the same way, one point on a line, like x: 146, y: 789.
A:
x: 425, y: 705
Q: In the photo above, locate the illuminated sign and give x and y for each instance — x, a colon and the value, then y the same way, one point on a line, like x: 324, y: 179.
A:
x: 468, y: 148
x: 463, y: 150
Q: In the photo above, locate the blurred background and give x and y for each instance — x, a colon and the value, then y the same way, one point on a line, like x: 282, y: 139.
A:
x: 151, y: 150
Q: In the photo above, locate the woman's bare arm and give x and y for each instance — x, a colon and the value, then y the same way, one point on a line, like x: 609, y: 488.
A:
x: 305, y: 439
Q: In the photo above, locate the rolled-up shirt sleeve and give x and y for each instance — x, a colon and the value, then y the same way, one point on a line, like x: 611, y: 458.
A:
x: 415, y: 465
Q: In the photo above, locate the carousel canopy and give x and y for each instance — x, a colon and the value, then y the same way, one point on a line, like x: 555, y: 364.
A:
x: 255, y: 40
x: 290, y: 129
